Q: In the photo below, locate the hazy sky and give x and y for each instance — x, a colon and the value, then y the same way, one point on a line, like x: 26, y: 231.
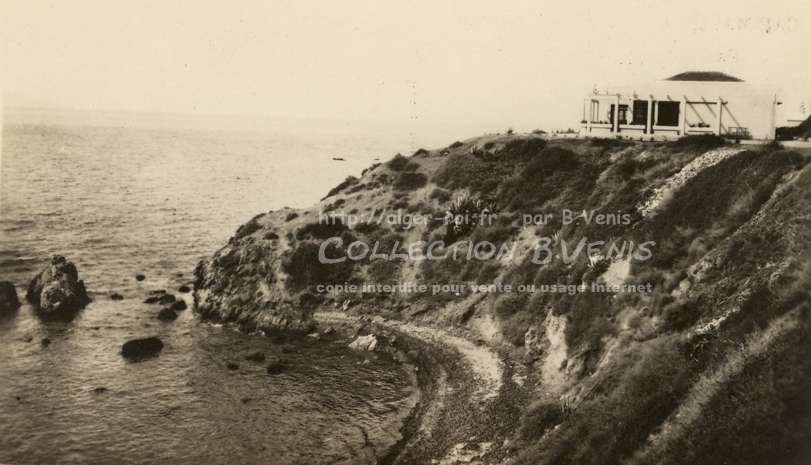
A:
x: 491, y: 64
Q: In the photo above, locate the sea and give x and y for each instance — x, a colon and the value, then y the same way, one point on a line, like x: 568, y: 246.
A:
x: 121, y: 194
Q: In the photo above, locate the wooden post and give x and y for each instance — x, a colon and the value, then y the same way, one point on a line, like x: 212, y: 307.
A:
x: 720, y: 106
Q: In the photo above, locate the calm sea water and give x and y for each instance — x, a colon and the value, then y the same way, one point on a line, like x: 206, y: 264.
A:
x: 124, y: 200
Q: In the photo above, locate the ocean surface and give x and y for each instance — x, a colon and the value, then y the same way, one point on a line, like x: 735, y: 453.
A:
x: 119, y: 200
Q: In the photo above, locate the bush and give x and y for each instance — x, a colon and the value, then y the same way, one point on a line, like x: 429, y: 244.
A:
x: 249, y: 228
x: 306, y: 270
x: 508, y: 304
x: 538, y: 418
x: 409, y: 181
x: 550, y: 160
x: 441, y: 195
x: 482, y: 174
x: 554, y: 173
x: 369, y: 169
x: 349, y: 181
x: 701, y: 142
x: 465, y: 214
x: 322, y: 230
x: 401, y: 163
x: 619, y: 415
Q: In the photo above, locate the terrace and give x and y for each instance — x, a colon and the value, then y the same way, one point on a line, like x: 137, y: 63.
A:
x: 660, y: 117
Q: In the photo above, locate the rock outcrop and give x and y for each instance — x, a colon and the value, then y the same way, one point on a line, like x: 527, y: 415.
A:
x: 139, y: 349
x: 366, y: 343
x: 166, y: 299
x: 8, y: 298
x: 167, y: 314
x: 240, y: 284
x: 57, y: 291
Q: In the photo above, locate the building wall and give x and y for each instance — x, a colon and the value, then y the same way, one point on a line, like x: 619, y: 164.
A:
x: 744, y: 107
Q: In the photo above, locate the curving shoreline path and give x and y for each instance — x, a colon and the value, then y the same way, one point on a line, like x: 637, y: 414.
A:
x: 468, y: 398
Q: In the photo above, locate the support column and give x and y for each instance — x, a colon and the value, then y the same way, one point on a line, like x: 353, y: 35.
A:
x: 720, y: 107
x: 629, y: 115
x: 651, y: 114
x: 683, y: 116
x: 587, y: 112
x: 616, y: 121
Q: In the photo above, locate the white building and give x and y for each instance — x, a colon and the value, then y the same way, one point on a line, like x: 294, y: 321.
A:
x: 696, y: 102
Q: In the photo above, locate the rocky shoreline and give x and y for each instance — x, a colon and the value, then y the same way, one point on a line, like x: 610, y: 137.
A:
x: 730, y: 256
x: 467, y: 391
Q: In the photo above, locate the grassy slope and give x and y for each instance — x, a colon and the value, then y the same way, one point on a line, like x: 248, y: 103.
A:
x: 708, y: 365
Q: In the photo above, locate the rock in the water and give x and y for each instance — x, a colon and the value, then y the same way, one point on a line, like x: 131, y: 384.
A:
x: 116, y: 296
x: 255, y: 357
x: 184, y: 289
x: 57, y: 291
x: 276, y: 366
x: 138, y: 349
x: 140, y: 277
x: 100, y: 390
x: 8, y: 298
x: 232, y: 366
x: 166, y: 299
x: 45, y: 342
x: 179, y: 305
x: 367, y: 343
x: 167, y: 314
x: 151, y: 300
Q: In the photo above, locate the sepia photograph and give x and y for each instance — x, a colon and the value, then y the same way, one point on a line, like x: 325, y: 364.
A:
x: 405, y: 233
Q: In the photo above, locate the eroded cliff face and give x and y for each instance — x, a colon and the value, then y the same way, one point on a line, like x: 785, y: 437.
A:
x: 241, y: 284
x: 680, y: 366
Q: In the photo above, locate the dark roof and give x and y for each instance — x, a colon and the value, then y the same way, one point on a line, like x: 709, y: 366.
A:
x: 704, y: 76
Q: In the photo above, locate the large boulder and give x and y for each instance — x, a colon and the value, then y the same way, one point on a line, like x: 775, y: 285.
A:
x: 8, y: 298
x: 139, y: 349
x: 57, y: 290
x: 366, y: 343
x: 167, y: 314
x: 166, y: 299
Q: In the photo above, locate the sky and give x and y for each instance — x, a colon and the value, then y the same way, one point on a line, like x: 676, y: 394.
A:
x: 483, y: 64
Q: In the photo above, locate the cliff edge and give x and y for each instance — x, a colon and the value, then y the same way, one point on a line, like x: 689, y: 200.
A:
x: 653, y: 296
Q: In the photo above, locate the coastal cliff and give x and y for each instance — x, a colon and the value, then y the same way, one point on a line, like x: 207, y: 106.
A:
x: 650, y: 298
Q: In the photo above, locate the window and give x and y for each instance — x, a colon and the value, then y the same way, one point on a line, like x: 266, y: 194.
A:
x: 623, y: 116
x: 667, y: 113
x: 640, y: 112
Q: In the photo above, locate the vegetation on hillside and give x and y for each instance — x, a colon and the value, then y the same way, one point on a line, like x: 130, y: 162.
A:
x: 709, y: 367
